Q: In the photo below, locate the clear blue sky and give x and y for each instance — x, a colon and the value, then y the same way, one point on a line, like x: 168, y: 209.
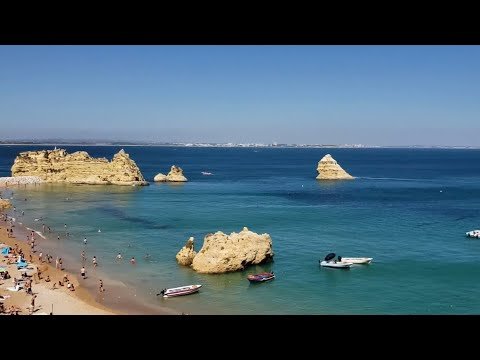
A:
x: 377, y: 95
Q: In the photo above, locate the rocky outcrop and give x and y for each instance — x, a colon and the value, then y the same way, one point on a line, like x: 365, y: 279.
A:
x: 176, y: 174
x: 78, y: 168
x: 222, y: 253
x: 160, y: 177
x: 5, y: 204
x: 328, y: 169
x: 187, y: 253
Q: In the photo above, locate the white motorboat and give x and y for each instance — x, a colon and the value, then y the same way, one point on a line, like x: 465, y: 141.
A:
x: 180, y: 291
x: 473, y: 234
x: 336, y: 264
x: 206, y: 173
x: 357, y: 260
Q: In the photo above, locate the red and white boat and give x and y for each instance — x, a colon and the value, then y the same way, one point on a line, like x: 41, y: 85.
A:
x: 180, y: 291
x: 265, y: 276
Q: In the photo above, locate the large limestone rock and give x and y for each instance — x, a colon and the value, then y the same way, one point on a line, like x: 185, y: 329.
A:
x: 222, y: 253
x: 78, y: 168
x: 5, y: 204
x: 328, y: 169
x: 160, y: 177
x: 187, y: 253
x: 176, y: 174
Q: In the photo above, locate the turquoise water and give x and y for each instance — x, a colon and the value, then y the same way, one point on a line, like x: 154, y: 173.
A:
x: 408, y: 209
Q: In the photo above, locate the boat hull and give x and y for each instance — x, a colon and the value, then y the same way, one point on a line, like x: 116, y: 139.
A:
x: 336, y: 265
x: 261, y: 277
x: 357, y: 260
x: 181, y: 291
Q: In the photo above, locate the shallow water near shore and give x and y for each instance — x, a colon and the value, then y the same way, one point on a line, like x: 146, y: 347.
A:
x: 409, y: 209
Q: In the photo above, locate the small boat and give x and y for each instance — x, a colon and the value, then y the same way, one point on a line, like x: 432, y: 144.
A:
x: 330, y: 262
x: 473, y: 234
x: 265, y: 276
x: 335, y: 264
x: 206, y: 173
x: 180, y: 291
x: 357, y: 260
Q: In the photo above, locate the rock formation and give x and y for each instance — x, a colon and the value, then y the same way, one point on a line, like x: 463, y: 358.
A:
x: 78, y: 168
x: 160, y: 177
x: 176, y: 174
x: 222, y: 253
x: 187, y: 253
x: 328, y: 169
x: 5, y: 204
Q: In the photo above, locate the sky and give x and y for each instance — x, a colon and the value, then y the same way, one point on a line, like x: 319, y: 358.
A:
x: 372, y: 95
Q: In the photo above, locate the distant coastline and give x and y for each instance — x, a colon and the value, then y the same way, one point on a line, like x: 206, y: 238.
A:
x: 225, y: 145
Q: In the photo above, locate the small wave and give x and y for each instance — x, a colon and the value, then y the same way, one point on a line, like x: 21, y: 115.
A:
x: 40, y: 234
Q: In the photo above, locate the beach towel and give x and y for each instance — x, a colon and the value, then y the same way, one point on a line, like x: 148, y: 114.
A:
x: 6, y: 250
x: 16, y: 288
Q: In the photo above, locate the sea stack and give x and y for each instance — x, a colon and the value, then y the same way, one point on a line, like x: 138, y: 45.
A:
x: 58, y: 166
x: 187, y: 253
x: 160, y: 177
x: 176, y: 174
x: 329, y: 169
x: 223, y: 253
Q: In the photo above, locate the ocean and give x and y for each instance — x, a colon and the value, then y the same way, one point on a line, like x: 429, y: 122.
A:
x: 409, y: 209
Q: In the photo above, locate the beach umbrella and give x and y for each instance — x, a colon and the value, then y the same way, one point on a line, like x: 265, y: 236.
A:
x: 329, y: 256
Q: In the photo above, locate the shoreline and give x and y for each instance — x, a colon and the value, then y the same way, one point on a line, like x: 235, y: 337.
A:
x: 119, y: 298
x: 61, y: 300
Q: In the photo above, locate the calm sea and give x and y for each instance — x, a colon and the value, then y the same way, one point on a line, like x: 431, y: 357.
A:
x: 409, y: 209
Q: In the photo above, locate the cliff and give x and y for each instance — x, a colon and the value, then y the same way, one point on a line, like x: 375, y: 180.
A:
x: 78, y: 168
x: 222, y: 253
x: 329, y: 169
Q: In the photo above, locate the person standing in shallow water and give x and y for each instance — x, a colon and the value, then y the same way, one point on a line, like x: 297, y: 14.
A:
x: 100, y: 286
x: 94, y: 261
x: 82, y: 272
x: 132, y: 260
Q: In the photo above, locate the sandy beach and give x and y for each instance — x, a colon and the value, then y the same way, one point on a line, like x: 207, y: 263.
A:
x: 58, y: 301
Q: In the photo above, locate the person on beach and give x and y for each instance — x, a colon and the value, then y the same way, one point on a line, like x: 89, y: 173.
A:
x: 84, y: 258
x: 100, y: 286
x: 57, y: 262
x: 60, y: 262
x: 82, y: 272
x: 58, y: 237
x: 85, y: 241
x: 47, y: 279
x: 132, y: 260
x: 40, y: 257
x: 32, y: 304
x: 94, y: 261
x: 119, y: 256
